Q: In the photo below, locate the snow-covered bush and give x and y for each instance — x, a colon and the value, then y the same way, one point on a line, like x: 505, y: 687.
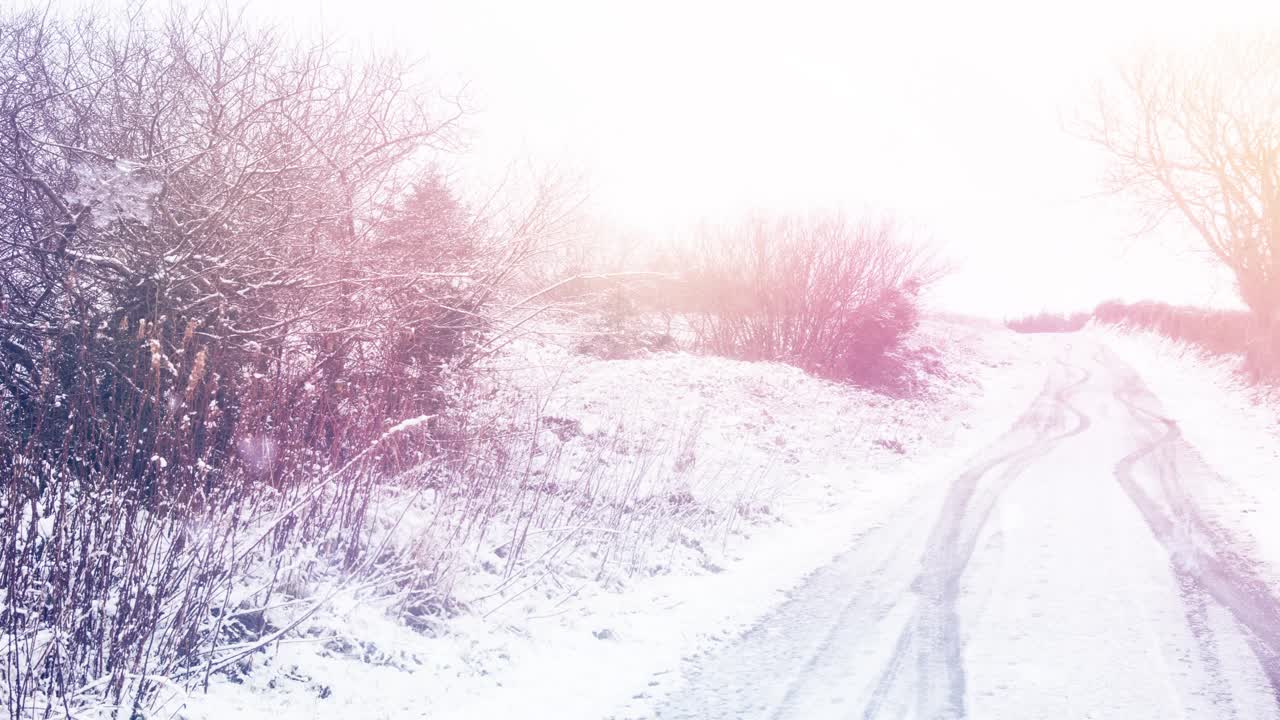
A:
x: 832, y: 296
x: 225, y: 279
x: 255, y: 272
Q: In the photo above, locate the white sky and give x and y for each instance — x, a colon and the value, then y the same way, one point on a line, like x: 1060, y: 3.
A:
x: 948, y: 115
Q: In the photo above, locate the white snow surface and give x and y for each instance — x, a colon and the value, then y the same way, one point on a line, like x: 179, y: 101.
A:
x: 1232, y: 422
x: 1067, y: 570
x: 794, y: 468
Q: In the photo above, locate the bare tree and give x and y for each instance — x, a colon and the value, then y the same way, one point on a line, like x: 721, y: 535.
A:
x: 1196, y: 134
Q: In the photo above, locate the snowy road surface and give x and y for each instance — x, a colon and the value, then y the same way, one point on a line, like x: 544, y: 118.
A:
x: 1064, y: 573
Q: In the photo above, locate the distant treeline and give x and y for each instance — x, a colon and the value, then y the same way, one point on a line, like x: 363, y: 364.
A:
x: 1049, y: 322
x: 1217, y: 331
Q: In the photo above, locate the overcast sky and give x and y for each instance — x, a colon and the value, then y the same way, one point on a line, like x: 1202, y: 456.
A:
x: 948, y: 115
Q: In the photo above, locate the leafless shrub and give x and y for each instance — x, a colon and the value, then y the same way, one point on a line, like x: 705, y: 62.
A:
x: 224, y: 278
x: 829, y: 295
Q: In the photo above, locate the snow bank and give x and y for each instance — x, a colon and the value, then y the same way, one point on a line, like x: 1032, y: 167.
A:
x: 788, y: 470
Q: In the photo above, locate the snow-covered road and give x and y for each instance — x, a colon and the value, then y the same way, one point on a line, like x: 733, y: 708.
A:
x: 1065, y: 572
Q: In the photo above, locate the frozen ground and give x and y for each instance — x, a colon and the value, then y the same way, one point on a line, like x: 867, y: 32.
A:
x: 1067, y: 570
x: 770, y: 474
x: 1069, y: 526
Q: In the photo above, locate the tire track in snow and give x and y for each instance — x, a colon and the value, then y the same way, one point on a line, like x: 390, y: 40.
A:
x: 876, y: 636
x: 792, y: 641
x: 808, y: 643
x: 1203, y: 556
x: 930, y: 643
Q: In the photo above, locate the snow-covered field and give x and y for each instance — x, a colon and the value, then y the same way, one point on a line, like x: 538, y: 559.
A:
x: 761, y: 474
